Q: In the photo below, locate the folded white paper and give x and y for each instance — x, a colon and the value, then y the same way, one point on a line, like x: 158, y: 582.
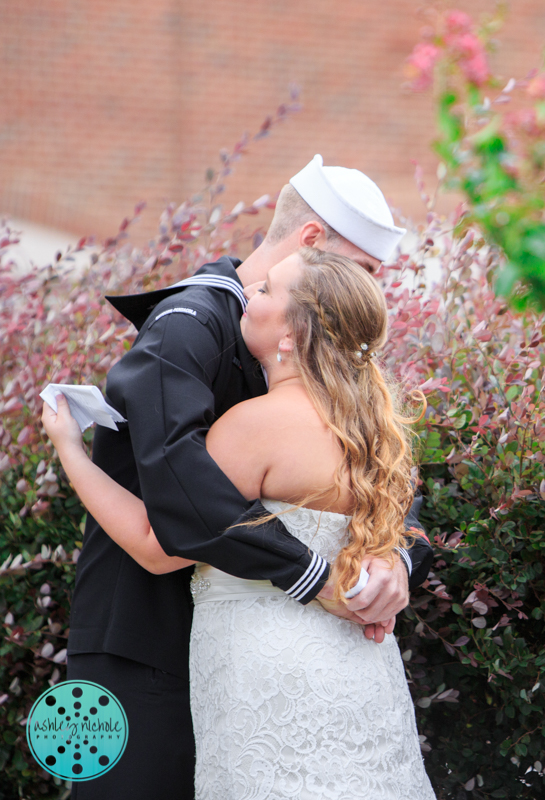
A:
x: 360, y: 586
x: 87, y: 405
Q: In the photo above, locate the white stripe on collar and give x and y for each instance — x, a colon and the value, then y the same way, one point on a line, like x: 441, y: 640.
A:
x: 216, y: 282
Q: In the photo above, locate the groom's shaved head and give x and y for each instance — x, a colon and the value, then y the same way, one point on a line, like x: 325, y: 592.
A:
x: 291, y: 213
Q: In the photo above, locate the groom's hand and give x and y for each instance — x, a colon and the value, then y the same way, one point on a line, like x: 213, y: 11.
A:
x: 376, y: 606
x: 386, y: 593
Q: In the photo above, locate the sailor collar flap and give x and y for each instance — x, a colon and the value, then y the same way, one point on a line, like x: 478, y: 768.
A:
x: 219, y: 275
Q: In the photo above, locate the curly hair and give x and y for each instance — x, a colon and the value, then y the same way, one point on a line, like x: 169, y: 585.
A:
x: 338, y: 317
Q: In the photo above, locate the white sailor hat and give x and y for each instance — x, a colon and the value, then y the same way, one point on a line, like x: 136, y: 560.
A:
x: 352, y: 204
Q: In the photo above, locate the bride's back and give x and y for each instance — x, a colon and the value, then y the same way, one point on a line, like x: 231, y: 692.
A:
x: 315, y: 326
x: 278, y: 446
x: 301, y: 451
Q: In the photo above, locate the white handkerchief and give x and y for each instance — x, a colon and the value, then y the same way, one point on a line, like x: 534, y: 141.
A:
x: 87, y: 405
x: 360, y: 586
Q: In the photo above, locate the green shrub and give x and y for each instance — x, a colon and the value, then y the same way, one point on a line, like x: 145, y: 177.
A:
x: 473, y: 638
x: 34, y: 605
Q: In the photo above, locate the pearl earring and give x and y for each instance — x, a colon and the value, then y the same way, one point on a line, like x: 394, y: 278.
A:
x: 278, y: 356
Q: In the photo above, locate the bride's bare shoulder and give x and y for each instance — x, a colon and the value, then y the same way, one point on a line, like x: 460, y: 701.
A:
x: 240, y: 443
x: 245, y: 415
x: 261, y: 424
x: 267, y: 412
x: 269, y: 445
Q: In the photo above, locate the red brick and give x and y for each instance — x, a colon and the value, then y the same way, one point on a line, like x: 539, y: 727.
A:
x: 103, y: 104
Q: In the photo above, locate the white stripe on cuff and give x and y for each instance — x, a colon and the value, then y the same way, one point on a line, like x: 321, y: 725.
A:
x: 309, y: 583
x: 311, y: 577
x: 320, y: 569
x: 406, y: 558
x: 297, y: 584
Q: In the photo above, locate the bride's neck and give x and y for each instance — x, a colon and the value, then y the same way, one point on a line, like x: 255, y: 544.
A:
x: 282, y: 375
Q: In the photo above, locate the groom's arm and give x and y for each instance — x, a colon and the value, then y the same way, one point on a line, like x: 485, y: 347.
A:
x: 164, y: 387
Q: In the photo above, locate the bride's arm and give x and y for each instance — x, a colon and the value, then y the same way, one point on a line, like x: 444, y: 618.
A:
x: 119, y: 513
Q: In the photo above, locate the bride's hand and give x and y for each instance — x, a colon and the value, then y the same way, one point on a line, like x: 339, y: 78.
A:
x: 378, y: 630
x: 61, y: 427
x: 339, y: 609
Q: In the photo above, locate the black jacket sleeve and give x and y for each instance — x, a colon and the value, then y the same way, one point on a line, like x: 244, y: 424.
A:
x: 164, y: 387
x: 419, y: 556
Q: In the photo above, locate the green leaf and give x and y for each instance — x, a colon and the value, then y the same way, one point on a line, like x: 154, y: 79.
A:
x: 506, y: 279
x: 489, y: 139
x: 450, y: 124
x: 474, y: 96
x: 536, y: 245
x: 18, y: 761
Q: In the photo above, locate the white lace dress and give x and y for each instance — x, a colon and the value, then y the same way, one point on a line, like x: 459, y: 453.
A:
x: 289, y: 701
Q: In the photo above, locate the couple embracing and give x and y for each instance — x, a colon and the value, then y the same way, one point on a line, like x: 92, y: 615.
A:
x: 278, y: 463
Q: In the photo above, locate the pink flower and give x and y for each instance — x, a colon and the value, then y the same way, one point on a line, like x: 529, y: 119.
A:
x: 524, y: 120
x: 476, y: 69
x: 466, y: 44
x: 536, y: 87
x: 458, y: 22
x: 419, y: 66
x: 469, y: 51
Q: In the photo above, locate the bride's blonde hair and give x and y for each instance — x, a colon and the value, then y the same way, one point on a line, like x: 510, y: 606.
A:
x: 338, y: 317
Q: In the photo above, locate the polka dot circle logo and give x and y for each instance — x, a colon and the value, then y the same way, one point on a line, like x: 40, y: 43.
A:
x: 77, y: 730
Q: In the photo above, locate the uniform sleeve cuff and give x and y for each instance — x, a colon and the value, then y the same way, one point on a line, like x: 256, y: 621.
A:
x: 311, y: 582
x: 406, y: 558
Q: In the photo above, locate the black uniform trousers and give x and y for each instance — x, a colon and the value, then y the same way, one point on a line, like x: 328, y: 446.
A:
x: 160, y: 731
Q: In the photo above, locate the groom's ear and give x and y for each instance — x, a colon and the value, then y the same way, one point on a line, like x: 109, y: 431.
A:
x: 312, y: 234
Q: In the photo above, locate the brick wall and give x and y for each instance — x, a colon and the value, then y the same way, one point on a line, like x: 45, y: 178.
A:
x: 104, y: 103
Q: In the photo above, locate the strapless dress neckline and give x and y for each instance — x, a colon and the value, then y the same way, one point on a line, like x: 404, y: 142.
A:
x: 325, y: 532
x: 276, y: 506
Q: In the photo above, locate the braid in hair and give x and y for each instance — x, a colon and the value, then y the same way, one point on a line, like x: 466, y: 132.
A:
x: 338, y: 316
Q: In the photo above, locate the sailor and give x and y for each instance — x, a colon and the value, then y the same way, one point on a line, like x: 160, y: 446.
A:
x: 129, y: 629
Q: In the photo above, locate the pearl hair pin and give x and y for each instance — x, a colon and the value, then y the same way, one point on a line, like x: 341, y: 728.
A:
x: 363, y: 351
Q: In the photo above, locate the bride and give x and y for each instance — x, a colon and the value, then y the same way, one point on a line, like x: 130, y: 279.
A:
x: 287, y: 700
